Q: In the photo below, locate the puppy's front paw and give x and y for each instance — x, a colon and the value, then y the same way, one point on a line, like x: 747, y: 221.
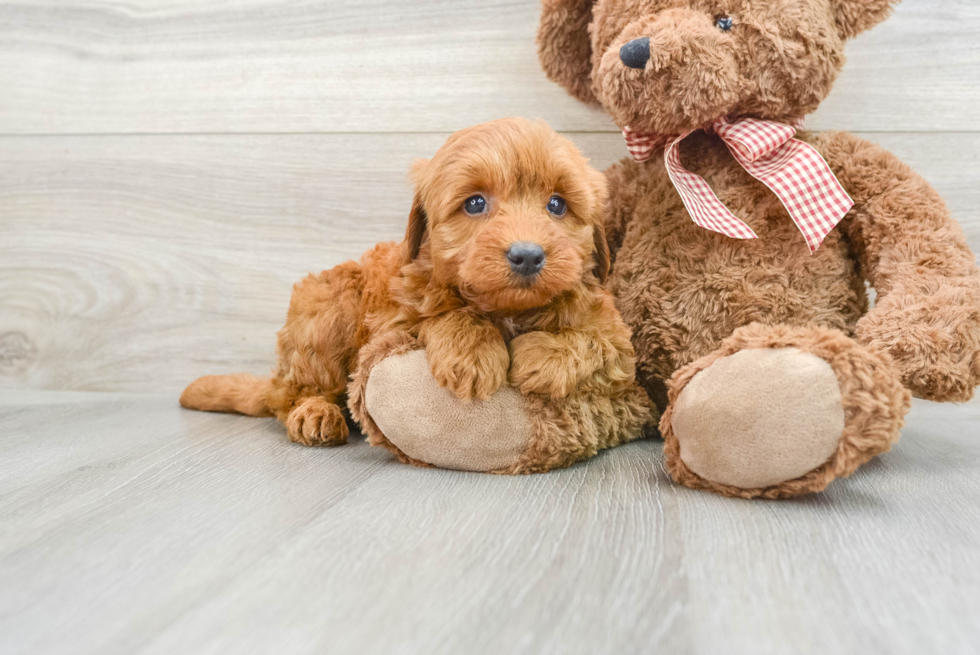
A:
x: 542, y: 364
x: 471, y: 364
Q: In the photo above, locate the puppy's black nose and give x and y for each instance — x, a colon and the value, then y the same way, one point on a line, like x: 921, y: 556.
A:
x: 636, y: 53
x: 525, y: 258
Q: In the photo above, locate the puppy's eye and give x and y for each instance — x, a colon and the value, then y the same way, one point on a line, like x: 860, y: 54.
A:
x: 724, y: 23
x: 475, y: 205
x: 556, y: 205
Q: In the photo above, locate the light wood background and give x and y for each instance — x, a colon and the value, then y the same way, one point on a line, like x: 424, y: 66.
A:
x: 168, y: 168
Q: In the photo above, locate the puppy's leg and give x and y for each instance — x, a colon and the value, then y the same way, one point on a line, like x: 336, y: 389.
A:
x: 597, y: 352
x: 316, y: 348
x: 466, y: 353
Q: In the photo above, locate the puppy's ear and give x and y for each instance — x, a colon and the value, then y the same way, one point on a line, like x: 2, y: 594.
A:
x: 600, y: 252
x: 564, y: 46
x: 600, y: 249
x: 856, y: 16
x: 418, y: 225
x: 418, y: 222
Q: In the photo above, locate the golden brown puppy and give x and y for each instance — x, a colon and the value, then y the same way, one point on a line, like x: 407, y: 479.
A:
x: 499, y: 278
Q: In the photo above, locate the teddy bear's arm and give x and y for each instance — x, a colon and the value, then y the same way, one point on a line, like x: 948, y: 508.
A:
x: 927, y: 313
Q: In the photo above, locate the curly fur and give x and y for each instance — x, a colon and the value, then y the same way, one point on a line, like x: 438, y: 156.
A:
x: 449, y: 288
x: 874, y: 402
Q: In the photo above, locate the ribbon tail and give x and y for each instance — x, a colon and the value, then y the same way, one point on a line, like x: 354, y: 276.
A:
x: 702, y: 204
x: 806, y: 186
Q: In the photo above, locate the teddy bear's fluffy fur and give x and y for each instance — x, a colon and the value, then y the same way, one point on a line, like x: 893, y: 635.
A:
x: 684, y: 291
x: 449, y: 288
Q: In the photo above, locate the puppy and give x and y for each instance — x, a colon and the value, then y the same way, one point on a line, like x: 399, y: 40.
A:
x: 499, y: 278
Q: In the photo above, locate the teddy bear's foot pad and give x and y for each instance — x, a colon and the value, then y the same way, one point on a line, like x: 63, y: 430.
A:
x: 431, y: 425
x: 759, y: 417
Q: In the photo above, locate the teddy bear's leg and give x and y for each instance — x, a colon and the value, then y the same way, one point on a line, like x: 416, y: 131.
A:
x: 778, y: 411
x: 430, y: 424
x: 400, y: 406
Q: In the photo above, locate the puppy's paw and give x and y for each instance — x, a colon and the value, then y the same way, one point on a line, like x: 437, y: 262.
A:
x: 316, y: 422
x: 542, y: 364
x: 470, y: 365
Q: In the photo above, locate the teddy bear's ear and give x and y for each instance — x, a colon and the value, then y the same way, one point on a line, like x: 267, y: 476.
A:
x: 564, y: 46
x: 856, y: 16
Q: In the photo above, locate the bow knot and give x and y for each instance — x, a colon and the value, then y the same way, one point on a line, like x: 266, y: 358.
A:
x: 790, y: 168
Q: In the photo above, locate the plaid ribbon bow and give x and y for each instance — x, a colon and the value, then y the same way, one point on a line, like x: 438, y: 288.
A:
x: 792, y: 169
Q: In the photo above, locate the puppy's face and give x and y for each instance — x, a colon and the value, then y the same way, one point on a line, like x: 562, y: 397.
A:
x: 509, y: 213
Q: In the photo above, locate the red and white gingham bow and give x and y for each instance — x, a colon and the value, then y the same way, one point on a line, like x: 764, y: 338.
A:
x: 792, y: 169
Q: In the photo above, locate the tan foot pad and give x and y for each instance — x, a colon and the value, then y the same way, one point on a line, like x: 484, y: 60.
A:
x: 759, y: 417
x: 430, y: 424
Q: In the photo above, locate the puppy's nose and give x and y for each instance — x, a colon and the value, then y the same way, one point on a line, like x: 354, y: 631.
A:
x: 636, y: 53
x: 525, y: 258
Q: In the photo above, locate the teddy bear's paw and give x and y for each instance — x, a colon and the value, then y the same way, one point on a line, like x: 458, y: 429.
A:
x: 933, y: 338
x: 778, y: 412
x: 759, y: 417
x: 430, y: 424
x: 316, y: 422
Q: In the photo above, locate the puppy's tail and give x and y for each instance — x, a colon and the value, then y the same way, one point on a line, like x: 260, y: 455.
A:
x: 240, y: 393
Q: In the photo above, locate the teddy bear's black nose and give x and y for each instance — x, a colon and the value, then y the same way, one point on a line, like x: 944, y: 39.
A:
x: 525, y: 258
x: 636, y: 53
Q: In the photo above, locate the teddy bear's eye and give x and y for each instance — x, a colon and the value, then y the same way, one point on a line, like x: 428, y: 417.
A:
x: 475, y: 205
x: 724, y: 23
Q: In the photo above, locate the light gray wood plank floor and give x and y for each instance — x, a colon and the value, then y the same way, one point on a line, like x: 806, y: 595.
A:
x: 129, y: 525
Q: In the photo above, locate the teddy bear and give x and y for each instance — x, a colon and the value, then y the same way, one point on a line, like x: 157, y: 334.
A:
x: 742, y: 245
x: 741, y: 250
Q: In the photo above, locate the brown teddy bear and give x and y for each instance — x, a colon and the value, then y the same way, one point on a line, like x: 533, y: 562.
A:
x: 741, y: 247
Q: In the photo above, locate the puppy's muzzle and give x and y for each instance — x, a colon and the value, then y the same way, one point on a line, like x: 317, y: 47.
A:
x: 526, y: 258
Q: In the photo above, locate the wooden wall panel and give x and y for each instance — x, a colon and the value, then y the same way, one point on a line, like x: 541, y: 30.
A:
x: 169, y: 66
x: 135, y: 263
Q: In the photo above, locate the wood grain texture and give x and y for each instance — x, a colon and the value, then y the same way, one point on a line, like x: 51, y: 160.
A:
x: 138, y: 263
x: 166, y: 66
x: 128, y: 525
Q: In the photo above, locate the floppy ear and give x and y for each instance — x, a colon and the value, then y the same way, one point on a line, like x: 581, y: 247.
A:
x: 600, y: 252
x: 418, y: 225
x: 564, y: 46
x: 856, y: 16
x: 418, y: 221
x: 600, y: 246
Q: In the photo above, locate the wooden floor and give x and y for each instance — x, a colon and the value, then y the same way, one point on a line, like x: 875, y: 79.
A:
x: 128, y: 525
x: 169, y: 168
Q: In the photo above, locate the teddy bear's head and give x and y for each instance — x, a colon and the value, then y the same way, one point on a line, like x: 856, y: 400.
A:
x: 669, y: 66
